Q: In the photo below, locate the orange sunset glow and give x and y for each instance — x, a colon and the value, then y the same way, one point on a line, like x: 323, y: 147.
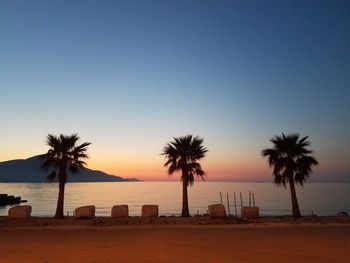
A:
x: 175, y: 131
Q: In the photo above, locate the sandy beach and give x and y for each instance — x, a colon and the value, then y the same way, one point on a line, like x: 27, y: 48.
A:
x: 264, y: 241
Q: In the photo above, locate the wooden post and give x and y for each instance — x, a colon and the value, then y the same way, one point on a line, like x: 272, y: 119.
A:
x: 234, y: 198
x: 240, y: 195
x: 253, y: 200
x: 228, y: 204
x: 220, y: 198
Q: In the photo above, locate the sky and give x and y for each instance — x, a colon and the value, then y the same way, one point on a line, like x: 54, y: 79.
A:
x: 128, y: 76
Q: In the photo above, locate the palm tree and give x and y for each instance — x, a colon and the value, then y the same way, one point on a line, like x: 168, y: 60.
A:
x: 64, y: 155
x: 182, y: 155
x: 291, y: 162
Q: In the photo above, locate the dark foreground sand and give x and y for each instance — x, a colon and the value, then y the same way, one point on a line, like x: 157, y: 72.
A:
x: 256, y: 242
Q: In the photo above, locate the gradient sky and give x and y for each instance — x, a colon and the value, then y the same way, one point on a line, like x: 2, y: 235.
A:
x: 129, y: 75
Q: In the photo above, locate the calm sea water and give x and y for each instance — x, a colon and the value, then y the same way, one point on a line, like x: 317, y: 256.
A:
x: 317, y: 198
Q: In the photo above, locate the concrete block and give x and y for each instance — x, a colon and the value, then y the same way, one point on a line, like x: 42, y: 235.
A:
x: 20, y: 211
x: 149, y: 211
x: 217, y: 210
x: 120, y: 211
x: 250, y: 212
x: 85, y: 212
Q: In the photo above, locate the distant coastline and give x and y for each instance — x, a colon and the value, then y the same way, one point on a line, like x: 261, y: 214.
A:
x: 28, y: 171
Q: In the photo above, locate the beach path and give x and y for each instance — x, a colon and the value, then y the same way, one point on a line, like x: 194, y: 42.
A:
x: 237, y: 243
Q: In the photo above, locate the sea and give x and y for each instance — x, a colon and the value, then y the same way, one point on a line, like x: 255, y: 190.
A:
x: 314, y: 198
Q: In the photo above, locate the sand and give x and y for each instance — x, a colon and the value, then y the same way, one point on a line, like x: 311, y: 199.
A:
x: 253, y: 242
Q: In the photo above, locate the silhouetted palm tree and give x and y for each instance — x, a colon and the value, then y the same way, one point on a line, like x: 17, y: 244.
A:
x: 64, y: 155
x: 291, y: 163
x: 182, y: 155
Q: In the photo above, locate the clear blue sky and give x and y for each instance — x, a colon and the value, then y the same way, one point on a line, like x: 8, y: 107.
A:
x: 129, y: 75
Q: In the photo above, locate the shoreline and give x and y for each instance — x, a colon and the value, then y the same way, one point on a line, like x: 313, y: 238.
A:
x: 172, y: 221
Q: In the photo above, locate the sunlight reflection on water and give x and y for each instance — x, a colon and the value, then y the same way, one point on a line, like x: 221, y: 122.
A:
x: 321, y: 198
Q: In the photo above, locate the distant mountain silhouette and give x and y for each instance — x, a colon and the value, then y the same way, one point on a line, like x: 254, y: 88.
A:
x: 28, y: 170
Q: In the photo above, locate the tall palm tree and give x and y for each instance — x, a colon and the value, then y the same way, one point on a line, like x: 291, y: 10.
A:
x: 182, y: 155
x: 291, y: 162
x: 64, y: 155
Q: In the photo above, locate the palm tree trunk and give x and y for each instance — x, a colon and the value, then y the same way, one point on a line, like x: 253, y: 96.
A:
x: 60, y: 201
x: 295, y: 205
x: 185, y: 210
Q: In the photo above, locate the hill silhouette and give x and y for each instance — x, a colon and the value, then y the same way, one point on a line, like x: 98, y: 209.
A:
x: 28, y: 170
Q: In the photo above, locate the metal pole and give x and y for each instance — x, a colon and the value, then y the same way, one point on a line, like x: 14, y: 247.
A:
x: 220, y: 198
x: 250, y: 198
x: 234, y: 196
x: 240, y: 195
x: 253, y: 200
x: 228, y: 204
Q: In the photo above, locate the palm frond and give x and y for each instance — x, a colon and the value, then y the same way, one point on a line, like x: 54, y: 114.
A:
x: 278, y: 180
x: 272, y: 155
x: 51, y: 176
x: 189, y: 179
x: 182, y: 154
x: 173, y: 168
x: 289, y: 158
x: 64, y: 153
x: 304, y: 167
